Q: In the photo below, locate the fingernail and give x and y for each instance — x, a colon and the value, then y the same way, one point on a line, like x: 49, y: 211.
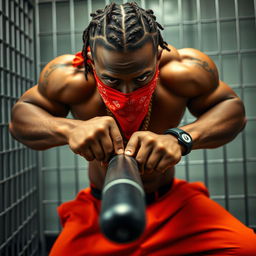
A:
x: 120, y: 151
x: 128, y: 152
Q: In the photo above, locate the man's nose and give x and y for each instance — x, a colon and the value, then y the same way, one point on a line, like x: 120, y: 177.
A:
x: 127, y: 87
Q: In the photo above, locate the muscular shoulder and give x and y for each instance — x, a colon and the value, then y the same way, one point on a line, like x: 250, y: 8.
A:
x: 188, y: 72
x: 62, y: 82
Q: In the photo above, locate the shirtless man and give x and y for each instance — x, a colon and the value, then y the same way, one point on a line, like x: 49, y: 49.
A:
x: 123, y: 50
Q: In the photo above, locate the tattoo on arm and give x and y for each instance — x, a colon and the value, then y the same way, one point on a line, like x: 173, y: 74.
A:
x: 205, y: 66
x: 48, y: 72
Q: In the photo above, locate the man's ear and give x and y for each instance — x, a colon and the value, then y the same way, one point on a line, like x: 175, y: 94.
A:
x: 159, y: 53
x: 89, y: 55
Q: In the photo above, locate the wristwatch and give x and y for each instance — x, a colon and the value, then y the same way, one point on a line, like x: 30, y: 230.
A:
x: 183, y: 137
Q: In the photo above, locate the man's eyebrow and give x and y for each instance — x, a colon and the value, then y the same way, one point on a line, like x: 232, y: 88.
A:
x: 109, y: 76
x: 146, y: 73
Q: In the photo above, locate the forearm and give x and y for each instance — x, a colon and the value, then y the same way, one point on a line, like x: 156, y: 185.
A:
x: 217, y: 126
x: 38, y: 129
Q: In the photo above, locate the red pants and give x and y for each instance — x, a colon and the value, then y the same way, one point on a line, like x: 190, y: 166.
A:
x: 183, y: 222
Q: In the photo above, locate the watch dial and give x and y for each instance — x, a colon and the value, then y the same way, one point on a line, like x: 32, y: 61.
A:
x: 186, y: 138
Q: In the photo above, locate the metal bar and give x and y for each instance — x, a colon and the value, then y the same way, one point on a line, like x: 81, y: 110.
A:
x: 243, y: 132
x: 206, y: 21
x: 41, y: 220
x: 254, y: 2
x: 72, y: 34
x: 186, y: 159
x: 205, y: 158
x: 54, y: 35
x: 226, y: 191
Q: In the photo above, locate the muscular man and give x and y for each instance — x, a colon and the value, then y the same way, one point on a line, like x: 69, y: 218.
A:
x: 125, y: 90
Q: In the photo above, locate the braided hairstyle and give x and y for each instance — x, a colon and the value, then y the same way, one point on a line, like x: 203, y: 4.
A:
x: 121, y: 27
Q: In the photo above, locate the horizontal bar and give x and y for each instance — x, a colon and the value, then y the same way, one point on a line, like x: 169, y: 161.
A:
x: 204, y: 21
x: 29, y: 218
x: 18, y: 201
x: 21, y: 172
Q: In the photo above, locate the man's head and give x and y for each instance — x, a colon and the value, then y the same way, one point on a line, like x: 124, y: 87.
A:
x: 122, y: 29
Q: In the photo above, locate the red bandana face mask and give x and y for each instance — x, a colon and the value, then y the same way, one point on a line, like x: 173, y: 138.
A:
x: 129, y: 109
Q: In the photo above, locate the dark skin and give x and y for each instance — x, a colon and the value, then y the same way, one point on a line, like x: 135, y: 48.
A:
x: 188, y: 78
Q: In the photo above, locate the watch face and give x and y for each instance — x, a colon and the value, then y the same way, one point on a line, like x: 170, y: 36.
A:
x: 186, y: 138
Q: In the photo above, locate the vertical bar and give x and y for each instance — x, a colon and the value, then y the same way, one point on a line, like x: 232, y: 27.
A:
x: 72, y: 33
x: 40, y: 205
x: 143, y: 5
x: 181, y: 27
x: 255, y: 11
x: 181, y: 37
x: 199, y: 25
x: 241, y: 85
x: 161, y: 6
x: 72, y: 24
x: 89, y: 9
x: 54, y: 34
x: 221, y: 72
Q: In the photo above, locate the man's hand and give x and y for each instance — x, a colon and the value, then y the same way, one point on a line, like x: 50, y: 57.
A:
x: 154, y: 152
x: 96, y: 138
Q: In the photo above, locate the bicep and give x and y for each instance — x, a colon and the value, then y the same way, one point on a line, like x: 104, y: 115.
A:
x: 36, y: 97
x: 200, y: 104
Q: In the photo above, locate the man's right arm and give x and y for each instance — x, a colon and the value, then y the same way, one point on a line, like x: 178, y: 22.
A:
x: 39, y: 117
x: 40, y: 123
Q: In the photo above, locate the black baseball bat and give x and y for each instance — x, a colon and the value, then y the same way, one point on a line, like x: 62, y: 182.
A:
x: 122, y: 215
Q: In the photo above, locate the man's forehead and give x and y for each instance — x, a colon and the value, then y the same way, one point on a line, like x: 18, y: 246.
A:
x: 125, y: 61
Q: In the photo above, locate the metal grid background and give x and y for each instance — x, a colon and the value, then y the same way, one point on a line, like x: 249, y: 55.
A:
x: 225, y: 30
x: 18, y: 170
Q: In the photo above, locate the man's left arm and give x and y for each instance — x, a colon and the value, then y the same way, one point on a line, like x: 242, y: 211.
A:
x: 219, y: 111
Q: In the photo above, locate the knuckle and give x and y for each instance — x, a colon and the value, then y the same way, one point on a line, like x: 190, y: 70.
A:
x: 177, y: 159
x: 118, y: 139
x: 139, y: 160
x: 161, y: 149
x: 150, y: 139
x: 101, y: 129
x: 75, y: 148
x: 149, y: 166
x: 109, y: 119
x: 161, y: 167
x: 88, y: 141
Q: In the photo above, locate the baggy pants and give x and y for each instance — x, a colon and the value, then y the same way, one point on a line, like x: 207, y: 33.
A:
x: 185, y: 221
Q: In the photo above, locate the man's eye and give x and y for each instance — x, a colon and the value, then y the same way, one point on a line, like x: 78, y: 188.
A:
x: 111, y: 80
x: 142, y: 78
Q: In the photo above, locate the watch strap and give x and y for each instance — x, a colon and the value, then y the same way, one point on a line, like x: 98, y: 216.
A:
x: 183, y: 137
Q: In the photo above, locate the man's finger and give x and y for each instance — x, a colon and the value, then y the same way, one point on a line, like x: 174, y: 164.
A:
x: 153, y: 160
x: 117, y: 139
x: 87, y: 154
x: 142, y: 156
x: 132, y: 145
x: 107, y: 146
x: 97, y: 151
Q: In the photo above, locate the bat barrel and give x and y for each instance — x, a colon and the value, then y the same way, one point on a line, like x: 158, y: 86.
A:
x: 122, y: 216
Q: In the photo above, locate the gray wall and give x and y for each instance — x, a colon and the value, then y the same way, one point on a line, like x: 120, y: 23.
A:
x: 33, y: 184
x: 225, y: 30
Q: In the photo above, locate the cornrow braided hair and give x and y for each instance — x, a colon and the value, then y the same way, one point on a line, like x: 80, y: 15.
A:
x: 121, y: 27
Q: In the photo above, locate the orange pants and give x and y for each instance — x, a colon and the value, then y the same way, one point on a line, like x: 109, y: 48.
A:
x: 182, y: 222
